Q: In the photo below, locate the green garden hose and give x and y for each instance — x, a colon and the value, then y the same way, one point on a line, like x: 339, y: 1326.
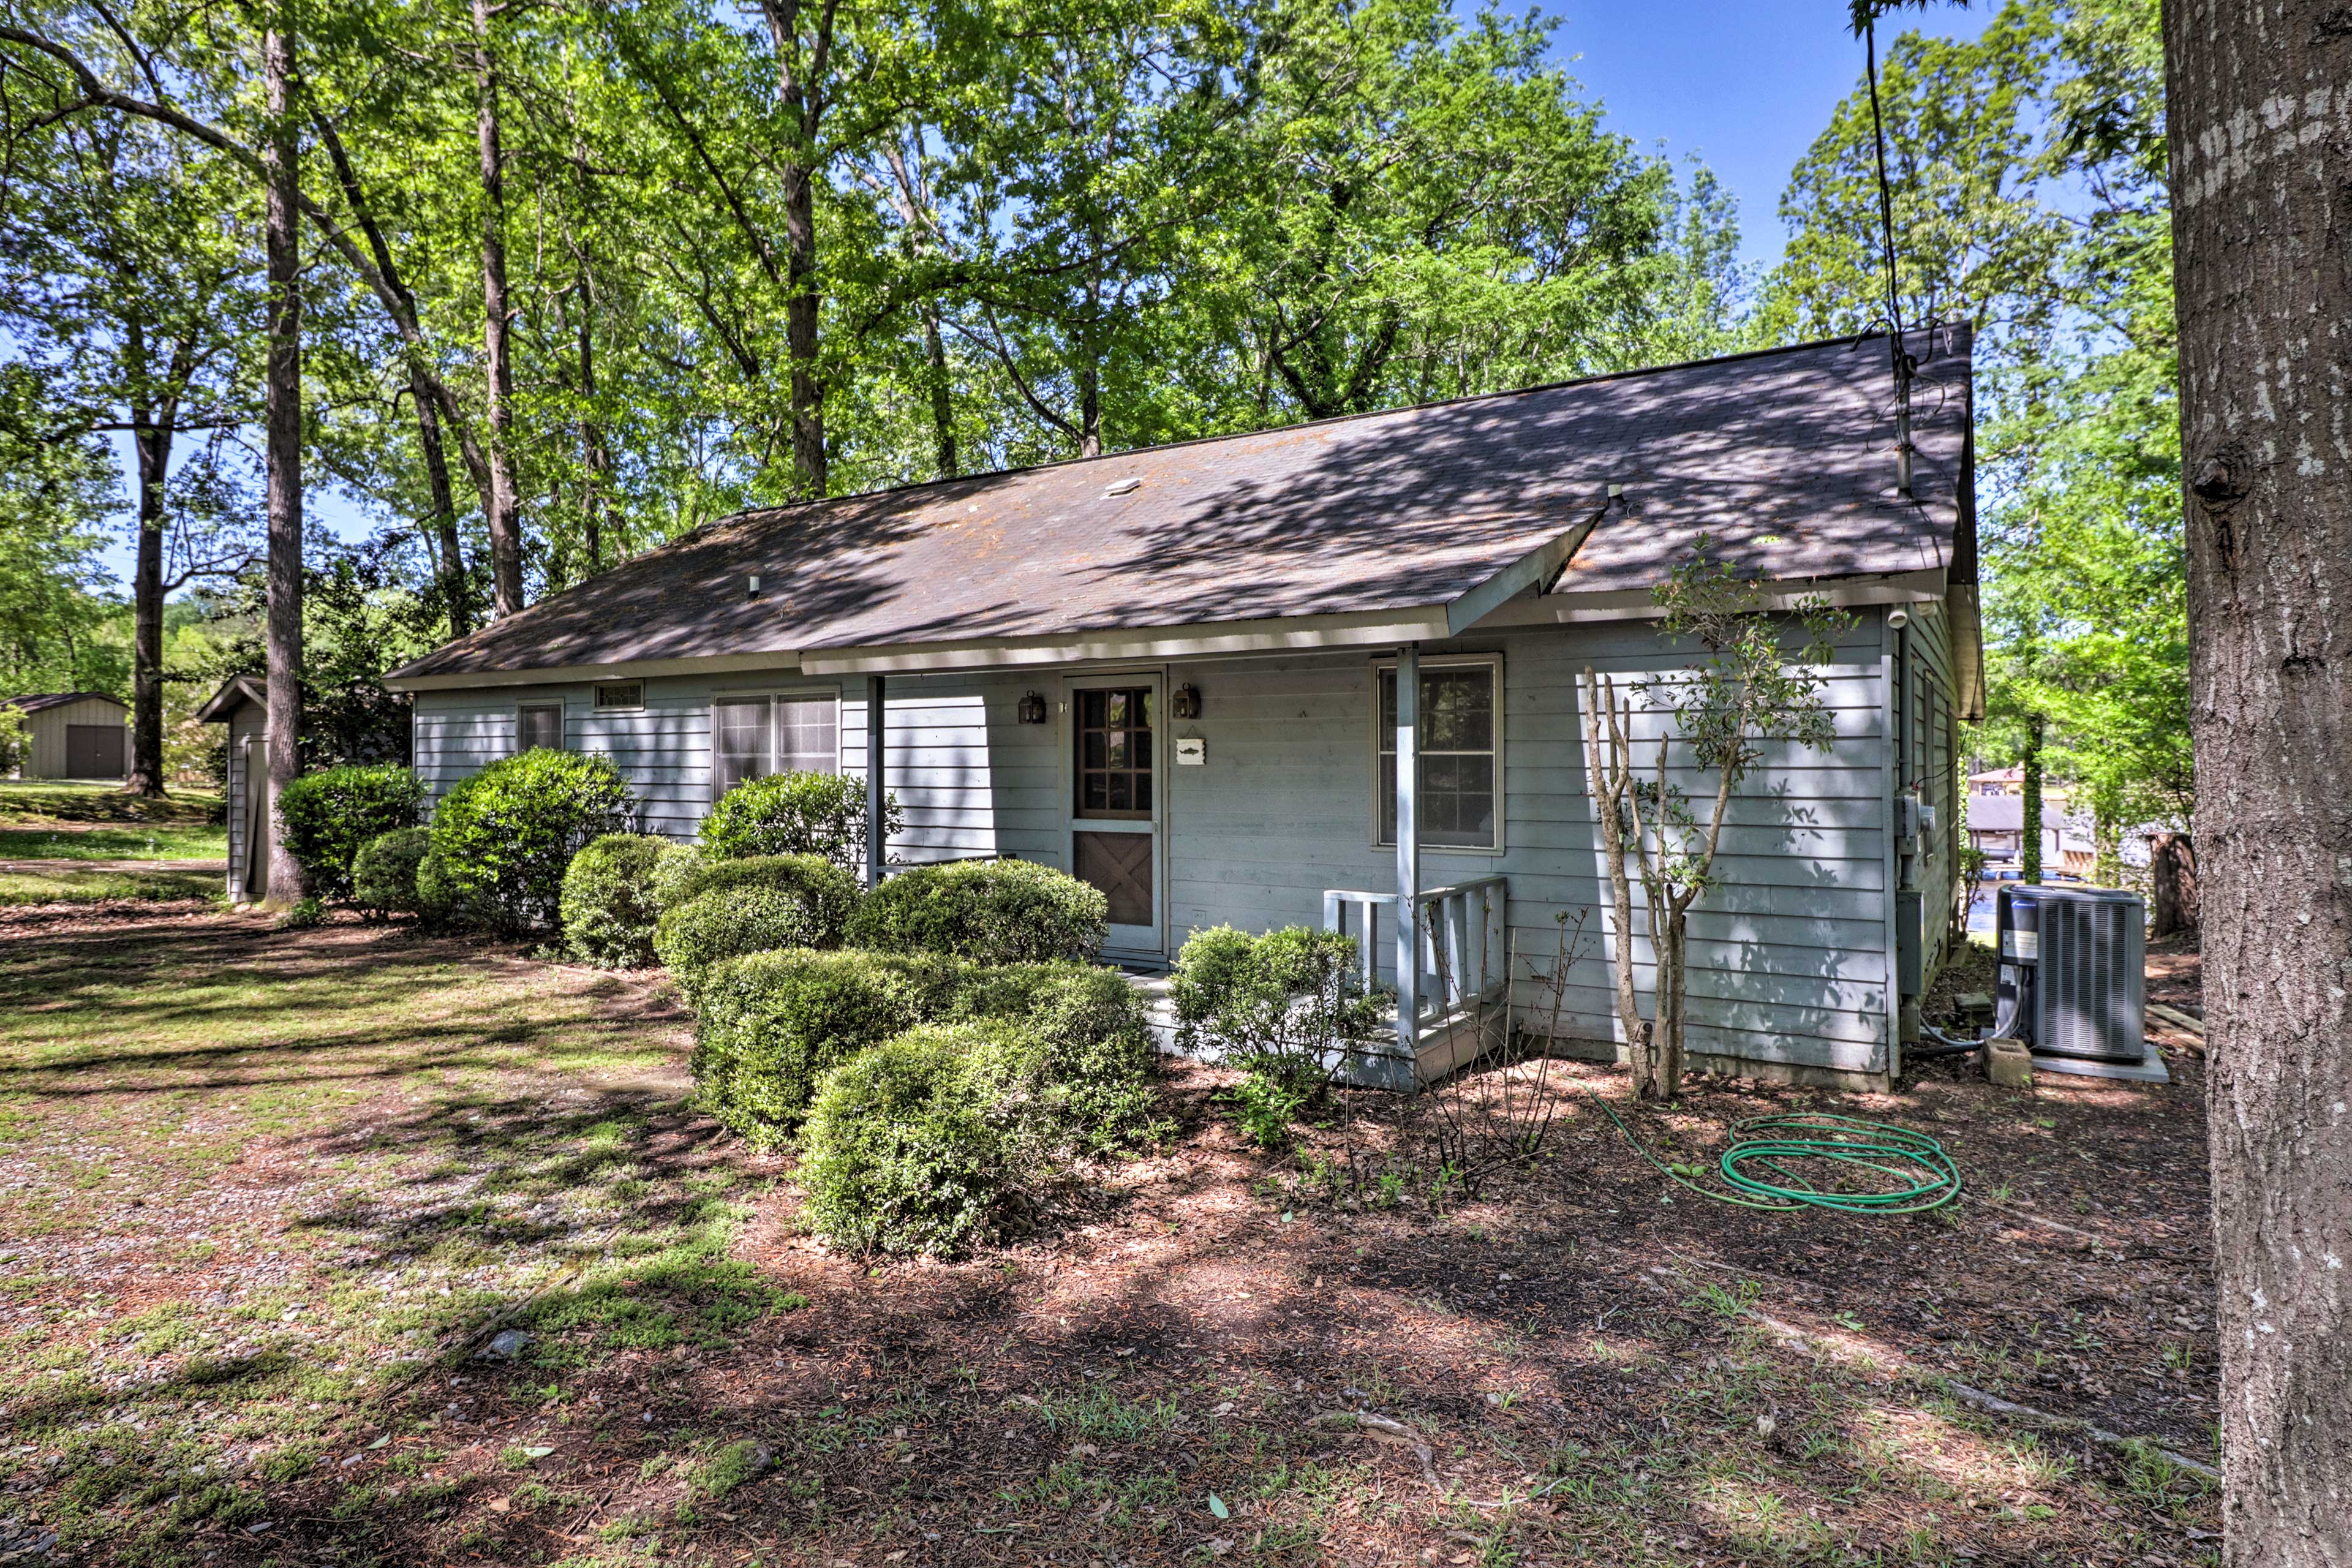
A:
x: 1926, y: 1176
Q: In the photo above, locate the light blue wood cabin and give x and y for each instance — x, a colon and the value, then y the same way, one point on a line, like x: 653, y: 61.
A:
x: 1320, y: 674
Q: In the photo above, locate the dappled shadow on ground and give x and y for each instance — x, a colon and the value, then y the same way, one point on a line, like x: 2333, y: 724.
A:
x: 1590, y: 1374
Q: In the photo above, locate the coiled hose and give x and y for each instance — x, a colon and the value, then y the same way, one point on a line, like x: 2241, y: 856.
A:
x: 1757, y: 1163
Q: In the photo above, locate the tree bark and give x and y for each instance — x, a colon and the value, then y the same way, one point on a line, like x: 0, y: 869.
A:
x: 2029, y: 838
x: 444, y: 522
x: 505, y: 507
x: 595, y: 455
x: 282, y: 422
x: 935, y: 358
x: 802, y: 83
x: 2260, y: 124
x: 151, y: 441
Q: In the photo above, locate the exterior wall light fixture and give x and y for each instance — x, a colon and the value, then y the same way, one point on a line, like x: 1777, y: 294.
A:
x: 1186, y: 702
x: 1032, y: 710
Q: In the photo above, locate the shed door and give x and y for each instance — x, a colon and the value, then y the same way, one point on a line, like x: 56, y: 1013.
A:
x: 94, y: 751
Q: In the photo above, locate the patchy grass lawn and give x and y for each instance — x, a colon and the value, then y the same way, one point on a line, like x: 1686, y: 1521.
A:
x: 267, y: 1200
x: 64, y: 842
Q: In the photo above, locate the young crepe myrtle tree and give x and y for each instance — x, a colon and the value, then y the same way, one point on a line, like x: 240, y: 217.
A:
x: 1746, y: 690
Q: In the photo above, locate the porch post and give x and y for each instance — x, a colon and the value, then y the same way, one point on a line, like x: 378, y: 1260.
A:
x: 877, y: 784
x: 1408, y: 846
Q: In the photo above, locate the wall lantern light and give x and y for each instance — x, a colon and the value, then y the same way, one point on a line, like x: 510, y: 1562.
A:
x: 1186, y: 702
x: 1032, y: 710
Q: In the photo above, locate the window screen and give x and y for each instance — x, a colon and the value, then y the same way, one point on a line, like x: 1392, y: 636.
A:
x: 1460, y: 784
x: 808, y: 735
x: 740, y: 747
x: 753, y: 737
x: 539, y: 725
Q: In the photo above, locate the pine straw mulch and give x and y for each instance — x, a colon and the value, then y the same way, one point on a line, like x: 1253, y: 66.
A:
x: 1567, y: 1367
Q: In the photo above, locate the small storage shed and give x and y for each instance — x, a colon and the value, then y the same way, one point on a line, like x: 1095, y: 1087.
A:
x: 244, y: 707
x: 75, y: 734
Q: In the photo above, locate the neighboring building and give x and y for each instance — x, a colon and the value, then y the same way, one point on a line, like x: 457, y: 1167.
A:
x: 1174, y: 672
x: 244, y: 707
x: 74, y: 735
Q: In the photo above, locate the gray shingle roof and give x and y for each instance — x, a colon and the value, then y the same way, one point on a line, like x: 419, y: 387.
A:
x: 1785, y: 456
x: 34, y: 702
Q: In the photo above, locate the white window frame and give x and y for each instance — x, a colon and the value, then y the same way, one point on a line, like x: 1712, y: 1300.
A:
x: 771, y: 696
x: 597, y: 704
x: 562, y: 723
x: 1381, y: 837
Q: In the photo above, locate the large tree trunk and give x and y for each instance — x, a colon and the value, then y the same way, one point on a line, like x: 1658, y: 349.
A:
x: 595, y: 455
x: 803, y: 72
x: 2260, y: 109
x: 505, y: 507
x: 283, y: 424
x: 2029, y: 839
x: 443, y: 524
x: 934, y: 359
x: 2172, y: 885
x: 153, y: 443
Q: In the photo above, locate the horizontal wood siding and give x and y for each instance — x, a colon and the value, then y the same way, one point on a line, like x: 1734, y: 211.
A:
x: 245, y: 721
x: 1788, y: 955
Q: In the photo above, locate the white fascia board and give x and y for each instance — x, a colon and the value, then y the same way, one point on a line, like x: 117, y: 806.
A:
x: 635, y: 669
x: 1638, y: 605
x: 1301, y: 633
x: 1536, y: 571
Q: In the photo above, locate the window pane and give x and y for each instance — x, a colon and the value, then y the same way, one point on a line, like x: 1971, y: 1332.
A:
x: 738, y: 743
x: 1387, y: 681
x: 538, y: 726
x: 1457, y: 711
x: 808, y: 735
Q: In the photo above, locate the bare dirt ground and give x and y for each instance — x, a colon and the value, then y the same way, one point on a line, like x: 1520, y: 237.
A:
x: 264, y: 1199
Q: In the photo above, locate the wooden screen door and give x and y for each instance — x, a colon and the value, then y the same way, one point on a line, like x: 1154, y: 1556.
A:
x: 1115, y: 794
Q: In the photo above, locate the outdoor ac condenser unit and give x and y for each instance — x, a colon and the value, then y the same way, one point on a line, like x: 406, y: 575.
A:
x: 2071, y: 971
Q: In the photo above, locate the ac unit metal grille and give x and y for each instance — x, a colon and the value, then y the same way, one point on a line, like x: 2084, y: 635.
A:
x: 2090, y: 993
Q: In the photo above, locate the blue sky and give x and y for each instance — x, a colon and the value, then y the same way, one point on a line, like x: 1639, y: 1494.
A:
x: 1744, y: 85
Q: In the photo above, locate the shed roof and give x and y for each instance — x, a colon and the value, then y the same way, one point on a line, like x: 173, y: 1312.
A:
x: 1784, y: 457
x: 34, y: 702
x: 233, y: 693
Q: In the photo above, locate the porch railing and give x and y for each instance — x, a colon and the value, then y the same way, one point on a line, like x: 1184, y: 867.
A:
x: 1462, y: 954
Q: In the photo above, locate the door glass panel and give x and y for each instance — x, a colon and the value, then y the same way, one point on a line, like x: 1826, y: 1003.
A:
x: 1115, y: 752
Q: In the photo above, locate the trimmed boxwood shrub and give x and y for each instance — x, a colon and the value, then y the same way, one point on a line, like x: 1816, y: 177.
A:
x: 673, y: 868
x: 329, y: 815
x: 833, y: 891
x: 793, y: 901
x: 921, y: 1143
x: 795, y: 813
x: 1096, y: 1056
x: 770, y: 1025
x: 608, y: 900
x: 383, y: 873
x: 1286, y: 1007
x: 990, y: 912
x: 505, y: 836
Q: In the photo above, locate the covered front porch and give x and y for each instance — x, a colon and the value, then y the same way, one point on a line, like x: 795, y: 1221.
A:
x: 1124, y: 735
